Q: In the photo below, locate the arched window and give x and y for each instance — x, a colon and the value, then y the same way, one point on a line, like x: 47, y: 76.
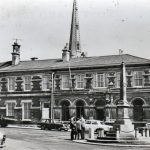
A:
x: 138, y: 109
x: 65, y: 110
x: 80, y: 108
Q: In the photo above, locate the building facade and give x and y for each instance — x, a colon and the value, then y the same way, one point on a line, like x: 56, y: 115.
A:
x: 73, y: 85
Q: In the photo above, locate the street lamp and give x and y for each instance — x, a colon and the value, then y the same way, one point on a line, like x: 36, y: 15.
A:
x: 108, y: 99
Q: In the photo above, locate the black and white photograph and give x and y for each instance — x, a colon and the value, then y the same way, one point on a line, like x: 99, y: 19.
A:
x: 74, y: 74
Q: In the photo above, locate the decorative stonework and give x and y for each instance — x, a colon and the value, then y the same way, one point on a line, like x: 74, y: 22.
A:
x: 129, y: 78
x: 57, y: 82
x: 36, y: 81
x: 146, y: 76
x: 111, y: 79
x: 19, y: 82
x: 88, y: 79
x: 3, y: 84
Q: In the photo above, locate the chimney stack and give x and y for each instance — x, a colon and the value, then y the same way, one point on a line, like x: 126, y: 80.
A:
x: 66, y: 53
x: 16, y: 53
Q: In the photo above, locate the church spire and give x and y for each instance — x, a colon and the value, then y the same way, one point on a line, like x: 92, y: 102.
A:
x: 74, y: 42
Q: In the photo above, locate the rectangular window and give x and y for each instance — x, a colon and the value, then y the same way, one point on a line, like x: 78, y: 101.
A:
x: 99, y: 80
x: 27, y: 83
x: 65, y: 81
x: 46, y: 82
x: 118, y: 79
x: 80, y: 81
x: 138, y: 78
x: 10, y: 109
x: 26, y: 111
x: 11, y: 83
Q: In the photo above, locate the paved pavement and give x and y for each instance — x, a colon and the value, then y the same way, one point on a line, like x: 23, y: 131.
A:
x: 32, y: 138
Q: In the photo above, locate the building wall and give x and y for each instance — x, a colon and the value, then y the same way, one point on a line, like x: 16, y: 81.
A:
x: 93, y: 99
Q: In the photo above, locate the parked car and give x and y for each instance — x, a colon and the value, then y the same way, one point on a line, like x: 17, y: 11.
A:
x: 65, y: 127
x: 3, y: 122
x: 96, y: 124
x: 47, y: 124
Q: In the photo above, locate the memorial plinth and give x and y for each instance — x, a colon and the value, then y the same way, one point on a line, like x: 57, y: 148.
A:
x: 123, y: 122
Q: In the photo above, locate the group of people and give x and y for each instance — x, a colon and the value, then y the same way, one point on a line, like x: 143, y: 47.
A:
x: 77, y: 126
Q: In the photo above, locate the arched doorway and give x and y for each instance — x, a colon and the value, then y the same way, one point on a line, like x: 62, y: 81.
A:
x: 138, y: 109
x: 65, y: 110
x: 99, y: 108
x: 80, y: 109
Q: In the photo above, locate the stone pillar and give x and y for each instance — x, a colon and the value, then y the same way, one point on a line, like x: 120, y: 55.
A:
x: 91, y: 133
x: 147, y: 132
x: 123, y: 121
x: 136, y: 133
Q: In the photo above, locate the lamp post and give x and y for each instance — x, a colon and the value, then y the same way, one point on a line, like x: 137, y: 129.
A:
x: 52, y: 98
x: 108, y: 96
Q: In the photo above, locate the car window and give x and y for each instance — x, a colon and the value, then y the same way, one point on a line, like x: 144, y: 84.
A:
x: 88, y: 122
x: 94, y: 122
x: 148, y: 125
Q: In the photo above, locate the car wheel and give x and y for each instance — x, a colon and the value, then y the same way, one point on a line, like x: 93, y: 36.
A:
x: 46, y: 128
x: 42, y: 128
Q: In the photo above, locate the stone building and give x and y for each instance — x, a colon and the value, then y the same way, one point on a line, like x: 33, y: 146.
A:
x: 73, y: 85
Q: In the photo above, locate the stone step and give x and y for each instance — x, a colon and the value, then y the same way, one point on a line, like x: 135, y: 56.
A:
x: 103, y: 140
x: 106, y: 138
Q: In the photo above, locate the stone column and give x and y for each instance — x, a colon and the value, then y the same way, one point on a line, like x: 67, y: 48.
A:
x: 123, y: 121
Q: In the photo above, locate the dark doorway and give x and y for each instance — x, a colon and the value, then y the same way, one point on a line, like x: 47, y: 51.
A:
x: 80, y: 109
x: 138, y: 113
x: 100, y: 110
x: 65, y: 110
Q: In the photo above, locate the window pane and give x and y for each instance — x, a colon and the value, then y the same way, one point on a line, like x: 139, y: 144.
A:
x: 11, y: 83
x: 10, y: 109
x: 27, y: 83
x: 27, y: 107
x: 80, y: 81
x: 65, y: 81
x: 138, y: 79
x: 99, y: 80
x: 46, y: 83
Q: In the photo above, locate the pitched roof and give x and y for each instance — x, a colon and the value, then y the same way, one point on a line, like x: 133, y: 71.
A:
x: 97, y: 61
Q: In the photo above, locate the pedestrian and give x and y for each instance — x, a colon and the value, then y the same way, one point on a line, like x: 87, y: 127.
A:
x: 73, y: 128
x: 82, y: 128
x: 78, y: 126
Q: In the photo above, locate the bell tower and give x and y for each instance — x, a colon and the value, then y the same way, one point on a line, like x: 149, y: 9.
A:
x: 74, y: 42
x: 16, y: 53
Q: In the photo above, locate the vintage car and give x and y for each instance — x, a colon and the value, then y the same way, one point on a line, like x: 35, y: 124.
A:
x: 48, y: 124
x: 3, y: 122
x: 96, y: 124
x: 65, y: 127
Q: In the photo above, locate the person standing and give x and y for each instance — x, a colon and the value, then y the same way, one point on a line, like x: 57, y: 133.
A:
x: 82, y: 127
x: 78, y: 125
x: 73, y: 128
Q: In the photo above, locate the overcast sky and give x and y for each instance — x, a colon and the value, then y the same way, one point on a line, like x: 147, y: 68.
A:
x: 44, y: 26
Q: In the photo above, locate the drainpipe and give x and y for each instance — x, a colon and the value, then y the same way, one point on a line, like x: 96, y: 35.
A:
x: 52, y: 99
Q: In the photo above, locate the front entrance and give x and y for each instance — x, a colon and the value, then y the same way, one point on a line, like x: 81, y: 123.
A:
x: 65, y: 110
x: 138, y: 113
x: 99, y: 104
x: 80, y: 109
x: 45, y: 111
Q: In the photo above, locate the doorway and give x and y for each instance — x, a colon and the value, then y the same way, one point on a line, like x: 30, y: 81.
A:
x: 138, y: 114
x: 99, y: 108
x: 80, y: 109
x: 65, y: 110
